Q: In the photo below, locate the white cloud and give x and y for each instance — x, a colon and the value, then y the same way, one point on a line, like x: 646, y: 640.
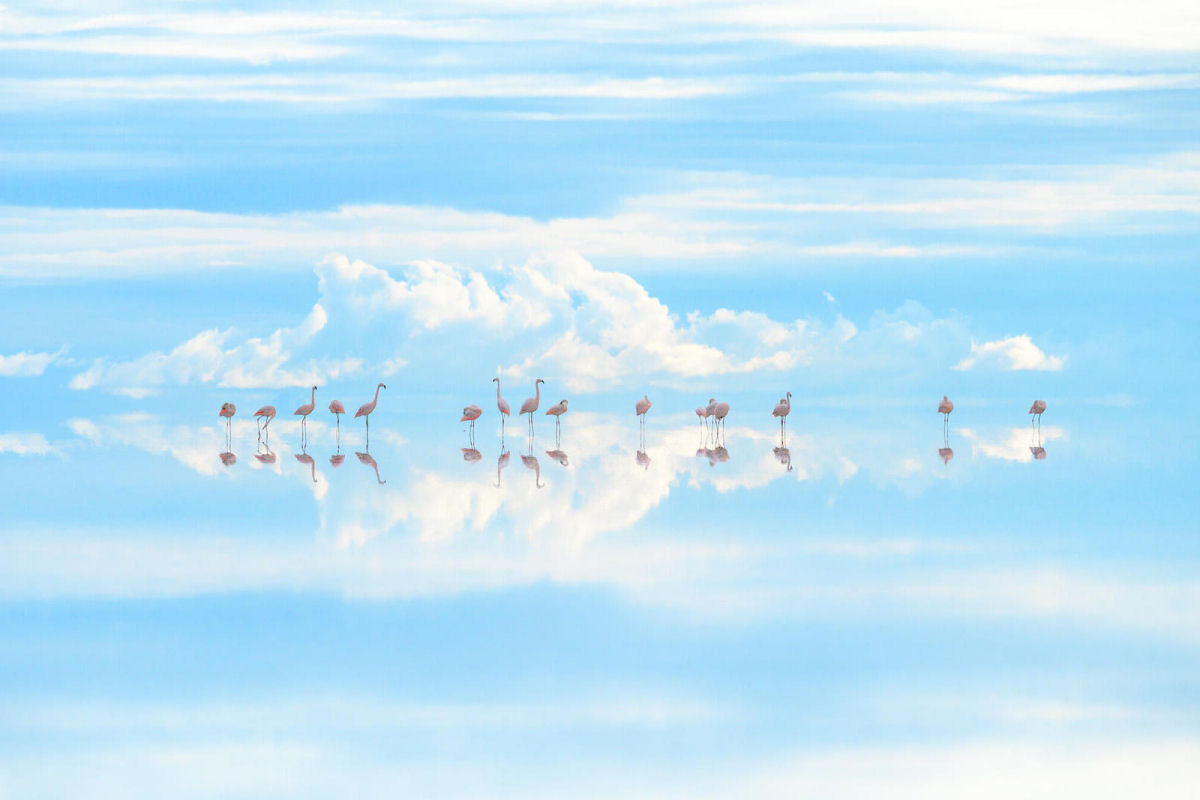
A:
x: 1013, y: 353
x: 1011, y: 444
x: 21, y: 365
x: 25, y: 444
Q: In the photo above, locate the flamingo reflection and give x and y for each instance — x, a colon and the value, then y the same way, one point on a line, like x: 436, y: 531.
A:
x: 228, y: 458
x: 643, y: 460
x: 530, y: 461
x: 501, y: 463
x: 265, y: 456
x: 366, y: 458
x: 305, y: 458
x: 784, y: 456
x: 559, y: 456
x: 471, y: 455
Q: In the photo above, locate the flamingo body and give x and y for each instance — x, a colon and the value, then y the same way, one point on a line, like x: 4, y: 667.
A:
x: 558, y: 409
x: 945, y: 407
x: 336, y: 407
x: 643, y: 405
x: 366, y: 408
x: 531, y: 404
x: 784, y: 407
x: 471, y: 413
x: 227, y: 410
x: 1038, y: 407
x: 265, y: 413
x: 307, y: 408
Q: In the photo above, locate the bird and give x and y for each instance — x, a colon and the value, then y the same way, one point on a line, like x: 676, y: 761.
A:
x: 337, y: 409
x: 531, y: 404
x: 782, y: 409
x: 304, y: 410
x: 711, y: 409
x: 643, y: 406
x: 470, y: 414
x: 1036, y: 410
x: 264, y: 415
x: 944, y: 408
x: 702, y: 413
x: 227, y: 411
x: 502, y: 405
x: 366, y: 408
x: 558, y: 409
x: 721, y: 411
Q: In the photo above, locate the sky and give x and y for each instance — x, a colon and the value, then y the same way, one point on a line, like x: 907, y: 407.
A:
x: 868, y: 207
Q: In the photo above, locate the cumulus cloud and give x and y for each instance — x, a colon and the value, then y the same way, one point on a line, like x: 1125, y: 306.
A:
x: 23, y: 365
x: 1013, y: 353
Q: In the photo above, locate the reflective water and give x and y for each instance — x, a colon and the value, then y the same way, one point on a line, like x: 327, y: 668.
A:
x: 426, y: 612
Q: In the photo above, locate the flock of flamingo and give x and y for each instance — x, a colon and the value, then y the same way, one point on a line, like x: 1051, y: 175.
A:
x: 712, y: 418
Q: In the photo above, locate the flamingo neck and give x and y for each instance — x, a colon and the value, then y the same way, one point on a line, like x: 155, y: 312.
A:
x: 497, y: 390
x: 376, y: 400
x: 537, y: 392
x: 313, y: 400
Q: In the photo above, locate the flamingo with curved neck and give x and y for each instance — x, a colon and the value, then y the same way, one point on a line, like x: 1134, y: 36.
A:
x: 531, y: 404
x: 366, y: 408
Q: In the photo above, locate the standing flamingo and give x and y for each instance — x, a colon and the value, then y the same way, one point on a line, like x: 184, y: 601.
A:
x: 303, y: 412
x: 702, y: 413
x: 558, y: 409
x: 944, y: 408
x: 366, y: 408
x: 721, y: 411
x: 783, y: 408
x: 531, y: 404
x: 337, y: 409
x: 227, y: 411
x: 502, y: 405
x: 470, y: 414
x: 264, y: 415
x: 1036, y: 410
x: 643, y: 406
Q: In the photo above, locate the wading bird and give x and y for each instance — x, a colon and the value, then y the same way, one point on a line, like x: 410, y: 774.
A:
x: 501, y: 405
x: 531, y: 404
x: 782, y: 409
x: 366, y: 408
x: 721, y: 412
x: 337, y: 409
x: 264, y: 416
x: 643, y: 406
x: 470, y: 414
x: 227, y: 411
x: 558, y: 409
x: 944, y: 408
x: 1036, y: 410
x: 303, y: 412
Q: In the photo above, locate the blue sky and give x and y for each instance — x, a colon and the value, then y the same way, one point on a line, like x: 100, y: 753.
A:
x: 868, y: 207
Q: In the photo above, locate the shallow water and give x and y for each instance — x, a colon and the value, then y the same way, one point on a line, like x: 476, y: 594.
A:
x: 694, y: 614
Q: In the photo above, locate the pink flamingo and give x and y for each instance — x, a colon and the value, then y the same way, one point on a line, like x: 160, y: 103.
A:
x: 557, y: 410
x: 365, y: 411
x: 643, y: 406
x: 227, y: 411
x: 264, y: 415
x: 303, y: 412
x: 711, y: 409
x: 702, y: 413
x: 531, y: 404
x: 782, y: 409
x: 337, y: 409
x: 721, y: 412
x: 502, y: 405
x: 470, y: 414
x: 1036, y: 410
x: 944, y: 408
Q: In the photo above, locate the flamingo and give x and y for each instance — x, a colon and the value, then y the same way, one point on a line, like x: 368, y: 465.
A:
x: 944, y: 408
x: 702, y: 413
x: 264, y: 415
x: 337, y: 409
x: 782, y: 409
x: 721, y: 411
x: 711, y: 408
x: 304, y: 410
x: 502, y: 405
x: 531, y: 404
x: 470, y: 414
x: 1036, y: 410
x: 366, y: 408
x: 558, y: 409
x: 227, y: 411
x: 643, y: 406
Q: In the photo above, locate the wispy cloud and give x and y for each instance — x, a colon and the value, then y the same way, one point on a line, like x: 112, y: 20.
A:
x: 25, y: 364
x: 26, y: 444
